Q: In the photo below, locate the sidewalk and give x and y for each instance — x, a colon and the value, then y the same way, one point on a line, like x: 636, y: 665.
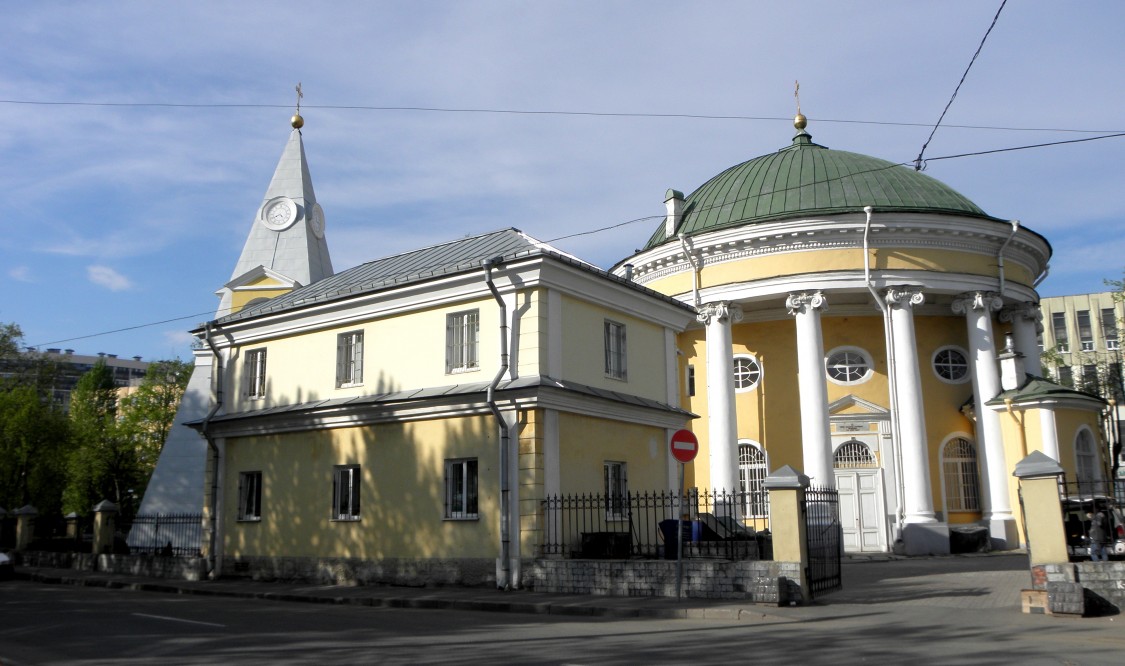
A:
x: 449, y: 598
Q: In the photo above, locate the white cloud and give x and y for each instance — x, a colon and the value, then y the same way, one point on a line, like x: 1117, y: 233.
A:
x: 107, y: 277
x: 20, y: 273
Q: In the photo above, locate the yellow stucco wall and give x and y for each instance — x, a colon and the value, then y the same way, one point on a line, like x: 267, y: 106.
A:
x: 583, y: 344
x: 819, y: 261
x: 586, y: 443
x: 401, y: 497
x: 239, y: 298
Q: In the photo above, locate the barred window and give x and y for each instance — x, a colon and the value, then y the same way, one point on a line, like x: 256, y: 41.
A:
x: 256, y: 373
x: 853, y: 454
x: 461, y: 341
x: 345, y: 492
x: 751, y: 480
x: 962, y: 475
x: 616, y: 490
x: 349, y: 359
x: 1086, y: 457
x: 461, y: 489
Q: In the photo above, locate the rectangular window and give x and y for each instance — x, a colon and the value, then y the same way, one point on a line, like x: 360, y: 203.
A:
x: 1109, y: 328
x: 1090, y: 378
x: 250, y: 496
x: 691, y: 380
x: 349, y: 359
x: 616, y: 491
x: 1066, y: 376
x: 1113, y: 382
x: 1085, y: 331
x: 256, y: 373
x: 461, y: 341
x: 1058, y: 327
x: 461, y: 489
x: 345, y: 492
x: 615, y: 356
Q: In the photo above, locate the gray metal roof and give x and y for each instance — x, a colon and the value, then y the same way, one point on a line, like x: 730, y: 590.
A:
x: 418, y: 265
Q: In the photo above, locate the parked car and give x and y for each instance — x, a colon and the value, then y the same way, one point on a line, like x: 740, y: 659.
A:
x: 1077, y: 525
x: 7, y: 572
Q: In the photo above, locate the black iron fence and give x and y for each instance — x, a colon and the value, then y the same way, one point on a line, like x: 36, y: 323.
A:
x: 825, y: 538
x: 1079, y: 499
x: 178, y: 534
x: 721, y: 524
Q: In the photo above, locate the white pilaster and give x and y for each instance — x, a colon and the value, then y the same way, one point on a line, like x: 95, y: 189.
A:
x: 722, y: 427
x: 918, y: 501
x: 978, y: 308
x: 1050, y: 432
x: 816, y: 441
x: 1026, y: 321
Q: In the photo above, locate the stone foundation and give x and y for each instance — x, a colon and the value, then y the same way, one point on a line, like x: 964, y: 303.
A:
x: 350, y: 571
x: 757, y: 581
x: 149, y: 566
x: 1102, y: 585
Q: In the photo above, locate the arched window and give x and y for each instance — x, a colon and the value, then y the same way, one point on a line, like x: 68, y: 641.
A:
x: 951, y: 365
x: 848, y: 365
x: 853, y: 454
x: 1086, y: 457
x: 751, y: 480
x: 962, y: 477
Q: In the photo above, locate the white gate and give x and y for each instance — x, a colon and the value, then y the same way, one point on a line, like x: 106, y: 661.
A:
x: 861, y: 503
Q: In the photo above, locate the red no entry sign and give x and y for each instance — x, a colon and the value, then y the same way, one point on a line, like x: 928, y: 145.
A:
x: 684, y: 446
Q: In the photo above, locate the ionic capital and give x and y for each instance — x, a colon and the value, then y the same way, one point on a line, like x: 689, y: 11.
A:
x: 719, y: 311
x: 976, y: 301
x: 804, y: 303
x: 904, y: 296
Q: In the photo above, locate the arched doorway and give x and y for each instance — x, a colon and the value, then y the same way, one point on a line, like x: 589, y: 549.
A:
x: 858, y: 481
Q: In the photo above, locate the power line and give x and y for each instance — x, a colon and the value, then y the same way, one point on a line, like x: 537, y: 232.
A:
x: 531, y: 112
x: 918, y: 160
x: 657, y: 217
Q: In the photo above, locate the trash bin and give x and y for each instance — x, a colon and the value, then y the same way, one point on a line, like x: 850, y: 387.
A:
x: 692, y: 531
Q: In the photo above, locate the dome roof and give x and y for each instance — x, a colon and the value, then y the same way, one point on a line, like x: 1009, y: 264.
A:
x: 808, y: 179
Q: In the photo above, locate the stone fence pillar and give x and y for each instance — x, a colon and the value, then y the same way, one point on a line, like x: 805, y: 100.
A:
x: 1042, y: 511
x: 104, y: 514
x: 25, y: 526
x: 72, y: 525
x: 786, y: 487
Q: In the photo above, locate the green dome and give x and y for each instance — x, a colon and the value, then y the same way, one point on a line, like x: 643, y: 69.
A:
x: 808, y: 179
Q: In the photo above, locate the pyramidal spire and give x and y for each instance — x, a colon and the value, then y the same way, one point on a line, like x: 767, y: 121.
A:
x: 286, y: 247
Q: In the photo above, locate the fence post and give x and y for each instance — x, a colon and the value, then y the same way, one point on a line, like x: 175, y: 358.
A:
x: 25, y: 526
x: 72, y: 525
x: 786, y: 488
x: 104, y: 514
x: 1042, y: 510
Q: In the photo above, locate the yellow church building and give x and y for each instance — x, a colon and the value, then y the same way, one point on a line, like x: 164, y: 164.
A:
x: 855, y: 320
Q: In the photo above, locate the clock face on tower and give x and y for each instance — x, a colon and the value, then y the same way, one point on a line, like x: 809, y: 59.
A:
x: 279, y: 213
x: 317, y: 221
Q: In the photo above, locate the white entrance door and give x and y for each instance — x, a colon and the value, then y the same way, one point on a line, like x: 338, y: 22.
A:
x: 860, y: 514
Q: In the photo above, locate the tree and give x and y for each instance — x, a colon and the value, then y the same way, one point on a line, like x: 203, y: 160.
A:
x: 103, y: 462
x: 147, y: 414
x: 34, y: 438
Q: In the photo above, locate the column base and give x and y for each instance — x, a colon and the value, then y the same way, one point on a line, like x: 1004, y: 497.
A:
x: 1002, y: 532
x: 925, y: 538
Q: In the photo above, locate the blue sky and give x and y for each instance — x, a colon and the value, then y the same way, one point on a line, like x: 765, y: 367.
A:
x: 118, y: 216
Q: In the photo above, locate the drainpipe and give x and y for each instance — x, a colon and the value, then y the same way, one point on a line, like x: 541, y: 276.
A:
x: 888, y: 340
x: 694, y: 271
x: 217, y: 394
x: 503, y: 581
x: 1000, y: 254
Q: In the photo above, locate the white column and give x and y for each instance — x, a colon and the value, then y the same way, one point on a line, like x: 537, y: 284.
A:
x: 1026, y: 321
x: 978, y: 308
x: 816, y: 441
x: 918, y: 503
x: 1050, y: 432
x: 722, y: 426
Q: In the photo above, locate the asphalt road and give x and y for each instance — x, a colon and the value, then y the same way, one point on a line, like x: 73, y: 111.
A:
x: 59, y: 625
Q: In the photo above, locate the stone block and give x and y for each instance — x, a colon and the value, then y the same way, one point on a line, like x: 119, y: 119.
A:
x: 1065, y: 599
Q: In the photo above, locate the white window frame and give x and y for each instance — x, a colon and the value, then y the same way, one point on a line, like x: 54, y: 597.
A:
x: 851, y: 352
x: 753, y: 468
x: 346, y: 483
x: 616, y: 350
x: 250, y: 496
x: 960, y: 476
x: 1060, y: 333
x: 462, y: 341
x: 749, y: 375
x: 1109, y: 328
x: 614, y: 474
x: 256, y: 373
x: 937, y: 365
x: 1087, y: 467
x: 462, y: 491
x: 349, y: 359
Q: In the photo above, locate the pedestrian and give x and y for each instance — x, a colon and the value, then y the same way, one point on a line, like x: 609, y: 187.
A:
x: 1099, y: 536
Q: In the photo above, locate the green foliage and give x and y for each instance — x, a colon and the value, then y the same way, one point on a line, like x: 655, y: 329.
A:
x: 34, y: 438
x: 148, y: 413
x: 102, y: 463
x: 10, y: 338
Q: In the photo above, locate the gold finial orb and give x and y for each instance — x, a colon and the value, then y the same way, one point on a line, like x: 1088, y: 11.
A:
x: 800, y: 121
x: 297, y: 121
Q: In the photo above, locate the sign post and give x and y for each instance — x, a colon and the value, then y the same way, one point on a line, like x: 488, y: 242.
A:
x: 684, y: 447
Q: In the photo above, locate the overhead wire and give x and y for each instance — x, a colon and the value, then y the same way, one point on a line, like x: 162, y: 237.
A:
x: 918, y: 162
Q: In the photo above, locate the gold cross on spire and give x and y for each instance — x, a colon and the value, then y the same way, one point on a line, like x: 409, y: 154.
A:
x: 297, y: 121
x: 796, y: 94
x: 799, y: 120
x: 301, y: 94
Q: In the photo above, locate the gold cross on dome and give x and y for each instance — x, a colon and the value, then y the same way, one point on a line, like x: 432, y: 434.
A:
x: 299, y: 96
x: 797, y: 95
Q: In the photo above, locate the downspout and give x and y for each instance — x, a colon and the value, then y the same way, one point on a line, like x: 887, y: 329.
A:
x: 1000, y: 253
x: 503, y: 581
x: 217, y: 394
x: 694, y: 270
x: 888, y: 340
